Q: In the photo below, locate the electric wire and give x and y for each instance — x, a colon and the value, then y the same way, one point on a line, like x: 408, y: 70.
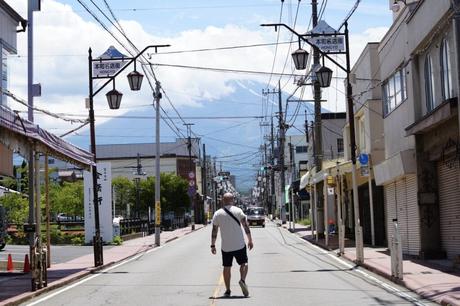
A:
x: 276, y: 46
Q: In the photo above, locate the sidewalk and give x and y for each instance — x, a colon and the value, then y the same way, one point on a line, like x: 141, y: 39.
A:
x: 17, y: 288
x: 430, y: 279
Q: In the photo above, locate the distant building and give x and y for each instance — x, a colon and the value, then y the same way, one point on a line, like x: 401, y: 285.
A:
x: 174, y: 158
x: 9, y: 22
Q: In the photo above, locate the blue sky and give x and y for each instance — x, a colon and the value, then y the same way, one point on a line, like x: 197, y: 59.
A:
x: 64, y: 31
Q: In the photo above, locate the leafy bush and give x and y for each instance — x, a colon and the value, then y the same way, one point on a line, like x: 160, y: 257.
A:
x: 117, y: 240
x: 77, y: 240
x: 305, y: 221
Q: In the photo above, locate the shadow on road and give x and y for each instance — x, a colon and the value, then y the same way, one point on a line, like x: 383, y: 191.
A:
x: 228, y: 297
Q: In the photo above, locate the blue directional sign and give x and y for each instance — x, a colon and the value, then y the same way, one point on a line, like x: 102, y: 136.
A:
x: 363, y: 159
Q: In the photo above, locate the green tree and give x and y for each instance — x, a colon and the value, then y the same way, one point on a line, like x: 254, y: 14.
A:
x: 174, y: 193
x: 17, y: 207
x: 67, y: 198
x: 122, y: 193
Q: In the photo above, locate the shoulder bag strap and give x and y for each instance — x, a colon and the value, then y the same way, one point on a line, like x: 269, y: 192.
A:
x: 232, y: 215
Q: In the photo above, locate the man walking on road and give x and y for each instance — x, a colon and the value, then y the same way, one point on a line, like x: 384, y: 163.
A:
x: 230, y: 219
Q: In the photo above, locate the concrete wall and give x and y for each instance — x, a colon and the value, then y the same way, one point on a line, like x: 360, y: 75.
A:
x: 8, y: 31
x: 368, y: 104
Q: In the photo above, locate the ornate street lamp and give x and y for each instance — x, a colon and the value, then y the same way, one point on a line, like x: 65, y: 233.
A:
x: 300, y: 58
x: 114, y: 97
x: 135, y: 79
x: 324, y: 76
x: 114, y: 101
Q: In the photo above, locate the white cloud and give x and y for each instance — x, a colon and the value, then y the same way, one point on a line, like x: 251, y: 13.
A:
x: 61, y: 66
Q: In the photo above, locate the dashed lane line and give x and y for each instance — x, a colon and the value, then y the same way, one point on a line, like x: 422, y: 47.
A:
x: 217, y: 289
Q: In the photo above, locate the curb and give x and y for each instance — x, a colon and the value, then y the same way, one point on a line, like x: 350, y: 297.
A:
x: 445, y: 301
x: 16, y: 300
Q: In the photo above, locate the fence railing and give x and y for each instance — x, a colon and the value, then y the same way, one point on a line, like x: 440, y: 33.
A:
x: 130, y: 226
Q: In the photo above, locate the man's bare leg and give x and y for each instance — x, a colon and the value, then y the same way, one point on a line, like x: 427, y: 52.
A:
x: 227, y: 275
x: 243, y: 271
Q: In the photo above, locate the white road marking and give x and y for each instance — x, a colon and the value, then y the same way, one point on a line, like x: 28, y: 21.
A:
x: 366, y: 275
x: 99, y: 273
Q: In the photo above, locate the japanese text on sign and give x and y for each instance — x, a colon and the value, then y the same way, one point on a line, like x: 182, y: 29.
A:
x: 157, y: 213
x: 329, y: 43
x: 107, y: 68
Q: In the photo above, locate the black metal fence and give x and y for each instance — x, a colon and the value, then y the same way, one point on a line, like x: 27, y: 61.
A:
x: 132, y: 226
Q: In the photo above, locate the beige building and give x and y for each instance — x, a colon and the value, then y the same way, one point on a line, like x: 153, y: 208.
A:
x: 413, y: 139
x: 125, y: 158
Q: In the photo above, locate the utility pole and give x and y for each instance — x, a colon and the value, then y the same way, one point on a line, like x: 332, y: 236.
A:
x: 137, y: 181
x: 318, y: 146
x: 157, y: 96
x: 282, y: 208
x: 265, y: 178
x: 272, y: 172
x: 204, y: 179
x: 281, y: 155
x: 214, y: 183
x: 191, y: 174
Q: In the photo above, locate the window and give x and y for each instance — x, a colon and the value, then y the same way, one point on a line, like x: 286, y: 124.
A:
x: 339, y: 145
x: 3, y: 74
x: 394, y: 90
x: 429, y: 83
x: 301, y: 149
x: 446, y: 79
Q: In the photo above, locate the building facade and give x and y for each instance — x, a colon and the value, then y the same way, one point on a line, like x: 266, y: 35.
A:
x: 420, y: 172
x: 10, y: 20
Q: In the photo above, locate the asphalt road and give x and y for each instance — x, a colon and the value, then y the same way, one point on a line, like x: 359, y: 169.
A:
x: 283, y: 270
x: 59, y: 253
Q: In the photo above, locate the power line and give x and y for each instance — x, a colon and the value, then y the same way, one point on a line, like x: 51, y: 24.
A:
x: 276, y: 47
x: 230, y: 70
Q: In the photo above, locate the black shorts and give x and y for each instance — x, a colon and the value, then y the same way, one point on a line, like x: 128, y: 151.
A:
x: 241, y: 257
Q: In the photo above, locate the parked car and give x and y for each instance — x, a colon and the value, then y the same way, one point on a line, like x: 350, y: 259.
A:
x: 256, y: 216
x: 61, y: 217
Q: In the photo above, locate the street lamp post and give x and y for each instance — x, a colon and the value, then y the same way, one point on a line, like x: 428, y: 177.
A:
x: 323, y: 77
x: 114, y: 100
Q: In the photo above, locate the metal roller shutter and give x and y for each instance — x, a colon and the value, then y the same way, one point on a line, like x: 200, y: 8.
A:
x: 449, y: 209
x: 401, y: 204
x: 390, y: 208
x: 413, y: 216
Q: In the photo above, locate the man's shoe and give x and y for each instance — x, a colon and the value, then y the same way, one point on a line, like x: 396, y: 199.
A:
x: 227, y: 293
x: 244, y: 288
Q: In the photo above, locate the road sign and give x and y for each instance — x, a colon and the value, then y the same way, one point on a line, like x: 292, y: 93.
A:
x: 363, y: 159
x: 157, y: 213
x: 191, y: 175
x: 109, y: 63
x: 191, y: 183
x: 329, y: 43
x: 364, y: 170
x: 334, y: 43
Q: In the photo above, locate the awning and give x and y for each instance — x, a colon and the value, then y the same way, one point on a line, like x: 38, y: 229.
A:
x: 304, y: 180
x: 21, y: 136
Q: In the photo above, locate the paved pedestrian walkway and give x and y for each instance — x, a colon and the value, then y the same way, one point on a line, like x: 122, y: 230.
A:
x: 16, y: 289
x: 433, y: 279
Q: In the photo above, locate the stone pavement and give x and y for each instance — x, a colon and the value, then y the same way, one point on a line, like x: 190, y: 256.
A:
x: 433, y: 279
x: 16, y: 288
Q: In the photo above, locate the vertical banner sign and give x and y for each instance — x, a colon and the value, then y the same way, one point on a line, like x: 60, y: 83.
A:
x: 157, y: 213
x: 105, y: 206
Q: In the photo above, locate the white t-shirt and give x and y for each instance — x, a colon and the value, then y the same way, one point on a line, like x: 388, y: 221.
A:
x: 230, y: 232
